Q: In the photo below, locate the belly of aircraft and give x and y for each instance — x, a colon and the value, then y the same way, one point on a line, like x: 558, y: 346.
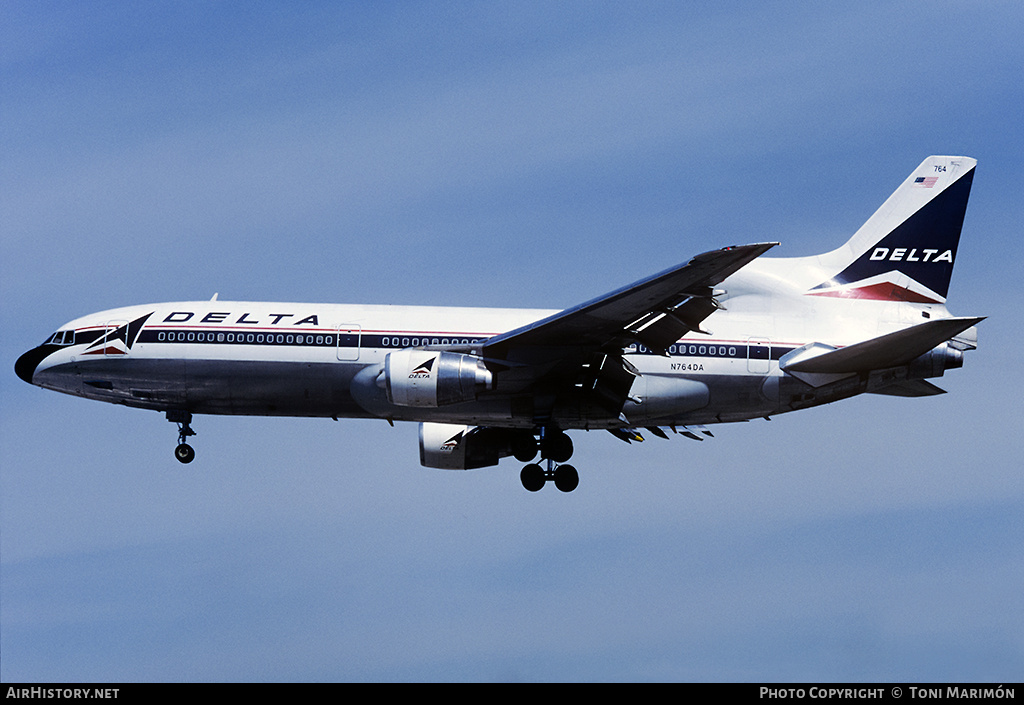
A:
x: 315, y: 389
x: 261, y: 388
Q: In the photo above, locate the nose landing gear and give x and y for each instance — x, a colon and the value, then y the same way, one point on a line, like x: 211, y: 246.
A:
x: 555, y: 448
x: 183, y: 452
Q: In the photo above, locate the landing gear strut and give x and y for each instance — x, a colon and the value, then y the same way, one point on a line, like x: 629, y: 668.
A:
x: 183, y: 452
x: 555, y: 447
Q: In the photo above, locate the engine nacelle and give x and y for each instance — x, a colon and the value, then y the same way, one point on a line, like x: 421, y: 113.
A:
x: 457, y: 447
x: 425, y: 378
x: 934, y: 362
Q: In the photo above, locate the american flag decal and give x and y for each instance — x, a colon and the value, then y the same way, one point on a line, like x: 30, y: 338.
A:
x: 925, y: 181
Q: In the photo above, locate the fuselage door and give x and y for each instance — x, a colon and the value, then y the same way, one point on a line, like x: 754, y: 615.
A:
x: 349, y: 339
x: 115, y: 339
x: 759, y: 356
x: 112, y: 342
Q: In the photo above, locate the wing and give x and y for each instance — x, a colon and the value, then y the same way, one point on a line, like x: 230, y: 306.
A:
x: 655, y: 312
x: 574, y: 359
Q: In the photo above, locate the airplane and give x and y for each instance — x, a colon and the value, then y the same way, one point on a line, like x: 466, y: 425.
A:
x: 727, y: 336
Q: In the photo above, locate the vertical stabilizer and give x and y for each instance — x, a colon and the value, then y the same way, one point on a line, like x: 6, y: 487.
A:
x: 906, y: 250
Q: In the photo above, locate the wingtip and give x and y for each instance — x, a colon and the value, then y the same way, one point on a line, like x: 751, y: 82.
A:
x: 765, y: 246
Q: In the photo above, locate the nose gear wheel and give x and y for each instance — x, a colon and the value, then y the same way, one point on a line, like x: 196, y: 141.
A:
x: 183, y: 452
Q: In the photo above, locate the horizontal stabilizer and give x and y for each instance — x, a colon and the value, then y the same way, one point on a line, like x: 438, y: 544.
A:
x: 911, y: 388
x: 891, y: 350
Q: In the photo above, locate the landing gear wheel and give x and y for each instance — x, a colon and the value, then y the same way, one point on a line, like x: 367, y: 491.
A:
x: 566, y: 478
x: 524, y: 448
x: 532, y: 477
x: 184, y: 453
x: 557, y: 447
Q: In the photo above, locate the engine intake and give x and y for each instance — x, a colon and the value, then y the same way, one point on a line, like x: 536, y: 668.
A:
x: 423, y: 378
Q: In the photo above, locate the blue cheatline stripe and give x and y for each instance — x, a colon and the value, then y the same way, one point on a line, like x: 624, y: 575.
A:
x: 398, y: 341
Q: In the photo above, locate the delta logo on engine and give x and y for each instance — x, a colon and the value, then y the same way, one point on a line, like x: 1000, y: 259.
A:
x: 422, y: 371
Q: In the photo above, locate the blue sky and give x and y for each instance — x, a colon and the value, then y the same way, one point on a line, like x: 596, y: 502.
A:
x: 525, y: 154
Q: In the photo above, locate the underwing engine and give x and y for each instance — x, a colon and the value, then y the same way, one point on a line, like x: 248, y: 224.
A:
x: 430, y: 379
x: 458, y: 447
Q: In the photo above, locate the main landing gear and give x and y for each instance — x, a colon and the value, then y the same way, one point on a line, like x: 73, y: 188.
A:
x: 555, y: 447
x: 183, y: 452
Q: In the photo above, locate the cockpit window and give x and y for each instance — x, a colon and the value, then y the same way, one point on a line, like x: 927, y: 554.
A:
x: 62, y: 337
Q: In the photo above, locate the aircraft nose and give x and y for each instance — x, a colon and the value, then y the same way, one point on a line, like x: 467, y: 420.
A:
x: 26, y: 365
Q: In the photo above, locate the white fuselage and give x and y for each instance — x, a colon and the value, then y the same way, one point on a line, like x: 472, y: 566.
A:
x: 227, y: 357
